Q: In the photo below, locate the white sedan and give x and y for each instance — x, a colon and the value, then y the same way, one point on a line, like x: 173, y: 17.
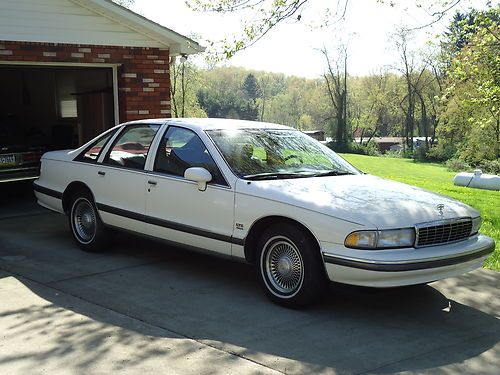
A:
x: 265, y: 194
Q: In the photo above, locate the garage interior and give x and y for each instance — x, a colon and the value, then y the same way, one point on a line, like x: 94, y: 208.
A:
x: 50, y: 108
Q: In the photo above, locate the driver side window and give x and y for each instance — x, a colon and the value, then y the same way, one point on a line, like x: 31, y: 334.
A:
x: 181, y: 149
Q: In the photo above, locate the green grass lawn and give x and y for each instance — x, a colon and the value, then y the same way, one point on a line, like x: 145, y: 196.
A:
x: 437, y: 178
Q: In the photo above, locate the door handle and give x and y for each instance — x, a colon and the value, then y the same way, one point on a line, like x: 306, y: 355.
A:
x: 101, y: 173
x: 151, y: 182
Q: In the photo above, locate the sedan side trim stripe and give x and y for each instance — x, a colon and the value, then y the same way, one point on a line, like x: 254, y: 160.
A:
x: 170, y: 224
x: 47, y: 191
x: 399, y: 267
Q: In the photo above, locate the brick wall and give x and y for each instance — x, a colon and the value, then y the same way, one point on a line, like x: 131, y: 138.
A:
x: 143, y: 77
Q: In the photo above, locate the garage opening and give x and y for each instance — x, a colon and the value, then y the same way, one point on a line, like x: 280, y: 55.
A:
x: 50, y: 108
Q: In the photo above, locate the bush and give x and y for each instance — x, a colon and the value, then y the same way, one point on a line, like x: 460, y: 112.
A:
x: 441, y: 152
x: 486, y: 166
x: 393, y: 154
x: 420, y: 154
x: 371, y: 149
x: 490, y: 166
x: 457, y: 165
x: 407, y: 153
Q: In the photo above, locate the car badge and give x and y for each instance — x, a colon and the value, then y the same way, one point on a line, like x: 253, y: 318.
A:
x: 440, y: 208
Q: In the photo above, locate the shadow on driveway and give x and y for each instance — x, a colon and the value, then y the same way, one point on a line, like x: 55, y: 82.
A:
x: 143, y: 294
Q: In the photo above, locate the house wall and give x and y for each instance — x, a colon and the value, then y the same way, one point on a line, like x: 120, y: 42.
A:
x: 64, y: 21
x: 143, y: 73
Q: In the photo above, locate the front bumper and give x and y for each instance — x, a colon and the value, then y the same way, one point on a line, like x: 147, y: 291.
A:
x: 408, y: 266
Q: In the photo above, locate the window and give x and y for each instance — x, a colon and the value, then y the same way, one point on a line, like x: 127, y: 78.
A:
x: 130, y: 149
x: 91, y: 153
x: 181, y: 149
x: 68, y: 108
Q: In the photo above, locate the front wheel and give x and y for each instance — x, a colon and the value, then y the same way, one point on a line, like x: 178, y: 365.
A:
x: 87, y: 228
x: 290, y: 267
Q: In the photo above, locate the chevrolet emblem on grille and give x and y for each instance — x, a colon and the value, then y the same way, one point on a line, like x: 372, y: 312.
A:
x: 440, y: 208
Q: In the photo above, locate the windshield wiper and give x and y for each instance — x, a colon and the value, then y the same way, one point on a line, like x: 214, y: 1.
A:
x: 276, y: 175
x: 332, y: 173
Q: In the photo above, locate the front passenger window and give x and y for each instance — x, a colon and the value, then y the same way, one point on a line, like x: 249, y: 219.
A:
x: 181, y: 149
x: 130, y: 149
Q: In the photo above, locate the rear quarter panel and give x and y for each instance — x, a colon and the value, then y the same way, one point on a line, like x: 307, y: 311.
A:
x: 58, y: 174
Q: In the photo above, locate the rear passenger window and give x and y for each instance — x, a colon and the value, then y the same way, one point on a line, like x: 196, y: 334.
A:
x: 91, y: 153
x: 131, y: 148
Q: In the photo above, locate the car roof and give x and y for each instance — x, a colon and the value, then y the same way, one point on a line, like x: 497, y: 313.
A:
x: 214, y: 123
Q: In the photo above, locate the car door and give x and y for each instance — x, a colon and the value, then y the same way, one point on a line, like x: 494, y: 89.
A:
x: 176, y: 209
x: 121, y: 182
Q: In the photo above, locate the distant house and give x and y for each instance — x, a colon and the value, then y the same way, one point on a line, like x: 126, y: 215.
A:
x: 318, y: 135
x: 385, y: 143
x: 73, y: 68
x: 394, y: 143
x: 389, y: 143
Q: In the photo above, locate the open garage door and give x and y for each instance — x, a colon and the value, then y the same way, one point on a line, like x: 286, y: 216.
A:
x: 49, y: 108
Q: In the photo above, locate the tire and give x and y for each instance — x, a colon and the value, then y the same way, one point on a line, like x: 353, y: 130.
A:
x: 289, y: 266
x: 86, y: 226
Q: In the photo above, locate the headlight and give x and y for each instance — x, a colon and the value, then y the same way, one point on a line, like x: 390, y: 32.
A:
x: 476, y: 224
x: 381, y: 239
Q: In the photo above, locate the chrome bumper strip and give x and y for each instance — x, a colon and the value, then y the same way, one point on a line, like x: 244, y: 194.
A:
x: 410, y: 265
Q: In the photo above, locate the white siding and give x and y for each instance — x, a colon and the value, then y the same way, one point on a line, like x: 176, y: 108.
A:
x: 62, y: 21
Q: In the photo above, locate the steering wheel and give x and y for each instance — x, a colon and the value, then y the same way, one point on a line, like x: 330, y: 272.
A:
x: 294, y: 157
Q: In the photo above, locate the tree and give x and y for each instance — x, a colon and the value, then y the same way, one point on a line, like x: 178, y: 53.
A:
x: 463, y: 27
x: 336, y: 84
x: 224, y: 94
x: 251, y: 90
x: 372, y: 105
x: 412, y: 75
x: 183, y: 80
x: 471, y: 110
x: 264, y: 15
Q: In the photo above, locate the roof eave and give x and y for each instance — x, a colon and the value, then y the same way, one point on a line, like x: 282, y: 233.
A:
x: 177, y: 44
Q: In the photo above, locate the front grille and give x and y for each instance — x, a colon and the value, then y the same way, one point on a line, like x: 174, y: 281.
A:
x: 442, y: 232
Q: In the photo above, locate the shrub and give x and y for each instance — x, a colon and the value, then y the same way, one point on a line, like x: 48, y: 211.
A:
x: 490, y: 166
x: 393, y: 154
x: 371, y: 149
x: 486, y: 166
x: 420, y: 154
x: 407, y: 153
x: 457, y: 165
x: 441, y: 152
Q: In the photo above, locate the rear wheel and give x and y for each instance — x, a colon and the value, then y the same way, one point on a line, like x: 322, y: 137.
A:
x: 290, y: 268
x: 86, y: 226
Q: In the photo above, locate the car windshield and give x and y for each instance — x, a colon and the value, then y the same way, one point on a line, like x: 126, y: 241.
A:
x: 260, y: 154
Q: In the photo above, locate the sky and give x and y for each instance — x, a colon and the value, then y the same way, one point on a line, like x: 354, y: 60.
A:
x: 294, y: 48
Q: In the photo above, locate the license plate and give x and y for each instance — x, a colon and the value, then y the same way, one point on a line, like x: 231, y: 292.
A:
x: 6, y: 160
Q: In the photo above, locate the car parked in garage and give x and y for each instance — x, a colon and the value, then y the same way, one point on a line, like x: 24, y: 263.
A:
x: 263, y: 193
x: 19, y: 159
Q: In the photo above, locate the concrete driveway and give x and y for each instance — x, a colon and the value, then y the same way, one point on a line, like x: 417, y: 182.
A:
x: 144, y: 307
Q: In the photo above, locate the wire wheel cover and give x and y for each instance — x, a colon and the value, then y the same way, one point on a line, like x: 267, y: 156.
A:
x: 284, y: 267
x: 84, y: 220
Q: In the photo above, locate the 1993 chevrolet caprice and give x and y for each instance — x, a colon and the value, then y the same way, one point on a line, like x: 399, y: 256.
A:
x: 263, y: 193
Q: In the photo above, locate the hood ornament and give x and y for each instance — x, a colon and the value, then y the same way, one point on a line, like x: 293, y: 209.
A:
x: 440, y: 208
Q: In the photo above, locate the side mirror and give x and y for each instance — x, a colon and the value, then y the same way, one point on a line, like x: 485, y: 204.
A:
x: 199, y: 175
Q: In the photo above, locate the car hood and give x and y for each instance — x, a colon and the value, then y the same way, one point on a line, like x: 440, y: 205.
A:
x: 362, y: 199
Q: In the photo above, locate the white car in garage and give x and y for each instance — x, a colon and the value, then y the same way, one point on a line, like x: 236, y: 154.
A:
x: 262, y: 193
